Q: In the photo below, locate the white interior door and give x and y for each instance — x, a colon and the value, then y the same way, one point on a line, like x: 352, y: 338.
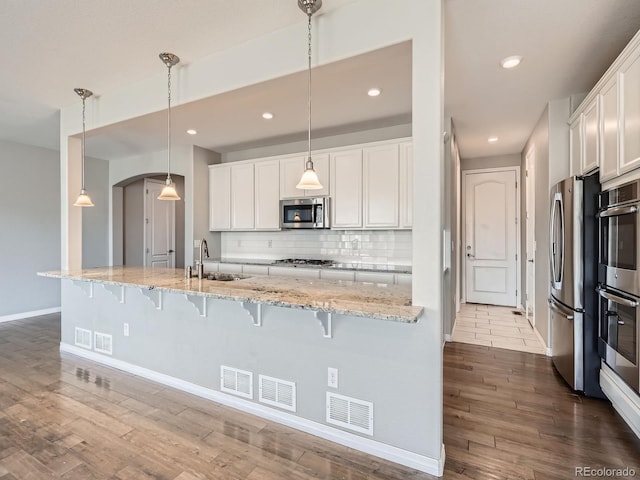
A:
x: 530, y: 294
x: 491, y: 237
x: 160, y: 228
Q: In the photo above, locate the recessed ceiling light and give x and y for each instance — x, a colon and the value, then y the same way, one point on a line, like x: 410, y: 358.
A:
x: 374, y: 92
x: 492, y: 139
x: 267, y: 115
x: 191, y: 131
x: 511, y: 62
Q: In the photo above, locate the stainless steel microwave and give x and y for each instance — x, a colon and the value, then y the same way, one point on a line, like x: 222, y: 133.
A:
x: 304, y: 213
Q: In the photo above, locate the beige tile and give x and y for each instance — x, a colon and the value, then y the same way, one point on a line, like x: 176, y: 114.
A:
x: 474, y: 329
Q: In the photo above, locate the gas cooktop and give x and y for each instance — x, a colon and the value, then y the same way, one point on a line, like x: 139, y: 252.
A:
x: 304, y: 261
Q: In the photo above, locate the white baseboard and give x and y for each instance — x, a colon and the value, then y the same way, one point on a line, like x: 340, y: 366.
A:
x: 448, y: 338
x: 33, y: 313
x: 541, y: 340
x: 423, y: 463
x: 624, y: 400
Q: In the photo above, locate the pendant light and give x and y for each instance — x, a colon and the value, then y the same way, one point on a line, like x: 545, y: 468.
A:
x: 169, y: 190
x: 83, y: 200
x: 309, y: 180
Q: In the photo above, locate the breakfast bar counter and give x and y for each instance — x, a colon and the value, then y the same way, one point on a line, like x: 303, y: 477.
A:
x: 372, y: 300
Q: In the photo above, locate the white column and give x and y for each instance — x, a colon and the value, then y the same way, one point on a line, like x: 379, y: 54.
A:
x: 71, y: 217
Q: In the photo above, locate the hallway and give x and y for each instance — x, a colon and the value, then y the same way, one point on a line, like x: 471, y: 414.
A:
x: 494, y: 326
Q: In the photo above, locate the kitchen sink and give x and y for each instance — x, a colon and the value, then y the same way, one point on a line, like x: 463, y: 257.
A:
x: 225, y: 277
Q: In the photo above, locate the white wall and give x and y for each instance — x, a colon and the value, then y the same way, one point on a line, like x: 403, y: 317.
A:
x: 319, y: 143
x: 498, y: 161
x: 95, y: 220
x: 30, y: 238
x: 357, y: 27
x: 539, y: 140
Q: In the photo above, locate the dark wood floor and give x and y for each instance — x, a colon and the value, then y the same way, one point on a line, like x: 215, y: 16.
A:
x: 507, y: 416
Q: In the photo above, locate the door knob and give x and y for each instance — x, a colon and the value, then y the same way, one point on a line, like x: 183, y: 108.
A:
x: 171, y: 251
x: 470, y: 255
x: 530, y: 261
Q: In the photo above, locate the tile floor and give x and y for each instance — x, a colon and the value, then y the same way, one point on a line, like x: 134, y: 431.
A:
x: 494, y: 326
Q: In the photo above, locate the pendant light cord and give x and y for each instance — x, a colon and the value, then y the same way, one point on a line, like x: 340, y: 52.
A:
x: 309, y: 96
x: 83, y: 129
x: 169, y: 124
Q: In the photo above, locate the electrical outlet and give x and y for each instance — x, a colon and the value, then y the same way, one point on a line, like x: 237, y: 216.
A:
x: 332, y: 377
x: 196, y: 244
x: 126, y: 329
x: 270, y: 243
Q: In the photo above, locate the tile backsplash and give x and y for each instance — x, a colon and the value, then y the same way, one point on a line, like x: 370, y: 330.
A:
x: 345, y: 246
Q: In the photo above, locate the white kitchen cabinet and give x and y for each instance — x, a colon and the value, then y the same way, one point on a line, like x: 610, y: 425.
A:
x: 220, y: 198
x: 291, y: 170
x: 591, y: 141
x: 575, y: 145
x: 337, y: 275
x: 381, y: 170
x: 630, y: 115
x: 375, y: 277
x: 346, y: 189
x: 609, y: 127
x: 267, y: 195
x: 242, y: 197
x: 406, y: 185
x: 295, y: 272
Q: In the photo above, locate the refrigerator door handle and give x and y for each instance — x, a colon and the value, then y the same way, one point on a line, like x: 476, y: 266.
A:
x: 565, y: 312
x: 616, y: 298
x: 617, y: 211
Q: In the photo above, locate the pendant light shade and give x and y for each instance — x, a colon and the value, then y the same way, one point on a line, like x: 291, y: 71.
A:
x: 169, y: 190
x: 83, y: 200
x: 309, y: 180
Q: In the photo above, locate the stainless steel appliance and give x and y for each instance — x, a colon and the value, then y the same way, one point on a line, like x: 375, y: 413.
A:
x: 619, y: 239
x: 573, y: 263
x: 305, y: 213
x: 619, y: 334
x: 619, y: 276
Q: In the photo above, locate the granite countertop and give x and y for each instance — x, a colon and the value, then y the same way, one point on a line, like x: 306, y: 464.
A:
x: 379, y: 301
x: 361, y: 267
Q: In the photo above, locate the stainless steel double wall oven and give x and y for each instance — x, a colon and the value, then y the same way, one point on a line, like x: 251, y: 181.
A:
x: 619, y: 281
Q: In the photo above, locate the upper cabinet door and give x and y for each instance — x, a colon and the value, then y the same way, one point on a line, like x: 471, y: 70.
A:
x: 346, y: 189
x: 321, y: 166
x: 591, y: 130
x: 630, y: 114
x: 609, y: 126
x: 575, y: 145
x: 381, y: 167
x: 242, y: 197
x: 267, y: 193
x: 291, y: 170
x: 406, y: 185
x: 219, y: 198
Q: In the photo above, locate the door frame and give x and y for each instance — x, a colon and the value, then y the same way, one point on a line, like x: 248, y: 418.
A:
x: 463, y: 204
x: 530, y: 233
x: 145, y: 223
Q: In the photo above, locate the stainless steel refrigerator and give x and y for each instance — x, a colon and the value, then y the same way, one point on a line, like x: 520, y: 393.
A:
x: 573, y: 302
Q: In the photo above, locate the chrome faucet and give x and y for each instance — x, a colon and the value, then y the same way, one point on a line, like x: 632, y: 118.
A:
x: 204, y: 250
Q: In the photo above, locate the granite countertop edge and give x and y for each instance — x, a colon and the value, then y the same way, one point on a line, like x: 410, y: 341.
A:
x: 194, y: 287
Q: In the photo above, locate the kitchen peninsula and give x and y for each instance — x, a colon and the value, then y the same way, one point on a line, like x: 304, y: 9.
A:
x: 342, y: 360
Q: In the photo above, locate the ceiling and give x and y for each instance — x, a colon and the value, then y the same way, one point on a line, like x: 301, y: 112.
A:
x: 566, y: 46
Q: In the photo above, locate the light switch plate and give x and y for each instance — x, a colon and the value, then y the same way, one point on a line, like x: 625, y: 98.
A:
x: 126, y: 330
x: 332, y: 377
